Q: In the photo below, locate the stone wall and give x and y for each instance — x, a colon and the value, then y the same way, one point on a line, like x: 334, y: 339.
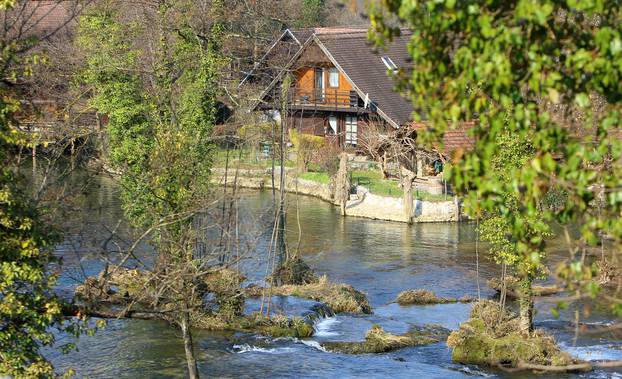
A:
x: 363, y: 204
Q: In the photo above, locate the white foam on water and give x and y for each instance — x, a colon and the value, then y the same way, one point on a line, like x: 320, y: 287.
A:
x: 314, y: 344
x: 470, y: 371
x: 594, y: 352
x: 323, y: 328
x: 246, y: 348
x: 586, y: 323
x: 607, y: 375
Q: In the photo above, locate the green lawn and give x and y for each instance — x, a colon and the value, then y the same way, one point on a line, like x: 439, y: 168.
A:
x: 373, y: 181
x: 320, y: 177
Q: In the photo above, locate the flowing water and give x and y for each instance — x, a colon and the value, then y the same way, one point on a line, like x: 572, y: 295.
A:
x: 376, y: 257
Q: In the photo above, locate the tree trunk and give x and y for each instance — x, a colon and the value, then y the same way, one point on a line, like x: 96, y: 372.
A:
x: 193, y: 372
x: 525, y: 302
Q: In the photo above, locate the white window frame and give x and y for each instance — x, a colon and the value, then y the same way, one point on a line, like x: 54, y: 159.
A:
x: 333, y: 77
x: 351, y: 127
x: 320, y: 92
x: 330, y: 124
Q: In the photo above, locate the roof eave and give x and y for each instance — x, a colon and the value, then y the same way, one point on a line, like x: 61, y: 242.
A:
x: 263, y: 58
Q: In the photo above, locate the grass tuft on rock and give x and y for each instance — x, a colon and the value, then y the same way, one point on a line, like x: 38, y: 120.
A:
x: 342, y: 298
x: 423, y: 297
x: 492, y: 337
x: 134, y: 289
x: 276, y: 326
x: 294, y: 271
x: 377, y: 340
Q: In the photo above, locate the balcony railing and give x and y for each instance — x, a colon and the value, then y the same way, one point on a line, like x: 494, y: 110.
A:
x: 328, y: 98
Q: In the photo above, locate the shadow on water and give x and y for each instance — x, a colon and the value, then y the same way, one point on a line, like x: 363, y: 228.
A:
x: 379, y: 258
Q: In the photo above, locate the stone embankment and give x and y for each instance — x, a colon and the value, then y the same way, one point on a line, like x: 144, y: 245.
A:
x: 362, y: 204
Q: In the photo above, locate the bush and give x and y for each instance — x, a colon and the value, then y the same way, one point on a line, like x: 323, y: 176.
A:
x: 307, y: 147
x: 327, y: 159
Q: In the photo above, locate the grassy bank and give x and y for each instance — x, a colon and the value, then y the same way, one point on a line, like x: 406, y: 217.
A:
x: 371, y: 179
x: 376, y: 185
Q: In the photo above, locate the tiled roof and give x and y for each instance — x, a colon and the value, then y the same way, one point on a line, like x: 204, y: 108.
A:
x: 364, y: 66
x: 303, y: 34
x: 453, y: 139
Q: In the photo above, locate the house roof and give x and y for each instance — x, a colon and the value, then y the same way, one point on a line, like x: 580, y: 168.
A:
x: 299, y: 37
x: 453, y: 139
x: 287, y: 36
x: 303, y: 34
x: 363, y: 66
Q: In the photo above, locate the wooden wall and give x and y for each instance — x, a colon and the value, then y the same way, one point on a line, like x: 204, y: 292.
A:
x: 316, y: 123
x: 307, y: 122
x: 305, y: 79
x: 313, y: 57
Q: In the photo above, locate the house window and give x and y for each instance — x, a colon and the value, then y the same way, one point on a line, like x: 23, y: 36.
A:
x: 319, y: 83
x: 351, y: 130
x: 332, y: 125
x: 333, y: 77
x: 389, y: 63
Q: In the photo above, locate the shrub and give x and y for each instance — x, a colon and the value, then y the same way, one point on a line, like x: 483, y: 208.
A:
x: 327, y: 159
x: 307, y: 147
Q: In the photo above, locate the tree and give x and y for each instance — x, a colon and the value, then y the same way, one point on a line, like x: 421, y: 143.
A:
x: 30, y: 311
x: 155, y: 77
x: 524, y: 69
x: 311, y: 13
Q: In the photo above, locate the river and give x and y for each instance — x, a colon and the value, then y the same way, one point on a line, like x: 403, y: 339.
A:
x: 378, y: 258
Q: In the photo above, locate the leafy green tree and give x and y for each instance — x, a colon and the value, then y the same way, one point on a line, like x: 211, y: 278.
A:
x: 29, y: 307
x: 530, y: 69
x: 30, y: 312
x: 160, y: 99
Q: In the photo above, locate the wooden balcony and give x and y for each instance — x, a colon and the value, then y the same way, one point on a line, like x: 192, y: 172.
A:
x: 326, y: 100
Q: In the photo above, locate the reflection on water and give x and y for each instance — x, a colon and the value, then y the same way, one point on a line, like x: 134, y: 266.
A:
x: 379, y: 258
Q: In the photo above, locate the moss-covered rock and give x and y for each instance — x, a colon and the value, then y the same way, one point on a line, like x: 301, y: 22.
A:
x: 423, y: 297
x: 277, y: 326
x: 281, y: 326
x: 225, y: 283
x: 492, y: 337
x: 342, y: 298
x: 294, y: 271
x: 377, y: 340
x: 94, y: 289
x: 131, y: 283
x: 116, y: 285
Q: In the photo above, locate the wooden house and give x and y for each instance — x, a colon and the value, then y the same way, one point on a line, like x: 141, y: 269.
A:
x: 339, y: 84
